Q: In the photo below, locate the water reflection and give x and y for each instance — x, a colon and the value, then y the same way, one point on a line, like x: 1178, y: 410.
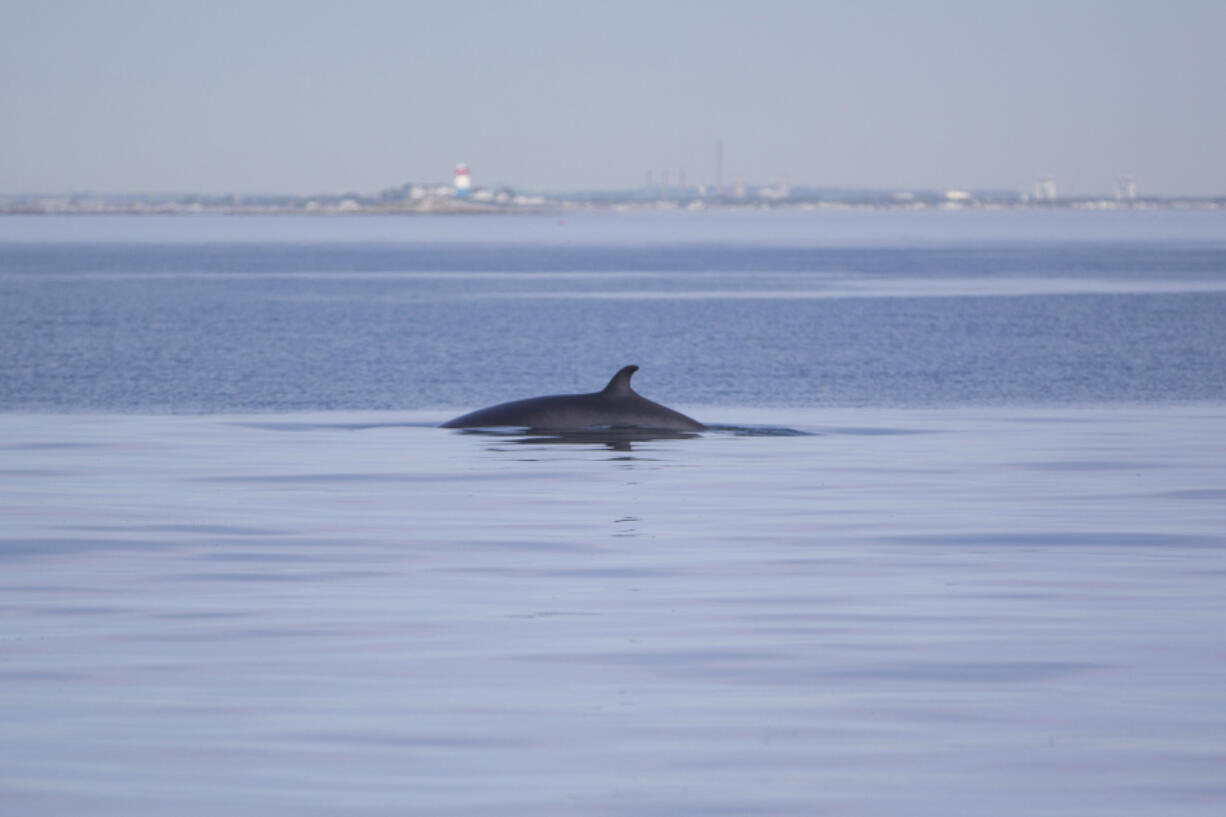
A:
x: 615, y: 439
x: 622, y: 438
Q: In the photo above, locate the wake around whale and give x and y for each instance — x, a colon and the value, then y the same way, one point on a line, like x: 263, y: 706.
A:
x: 616, y: 406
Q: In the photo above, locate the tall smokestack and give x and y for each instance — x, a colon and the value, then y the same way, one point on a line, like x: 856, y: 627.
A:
x: 719, y: 167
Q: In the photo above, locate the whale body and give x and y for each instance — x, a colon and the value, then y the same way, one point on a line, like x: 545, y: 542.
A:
x: 617, y: 405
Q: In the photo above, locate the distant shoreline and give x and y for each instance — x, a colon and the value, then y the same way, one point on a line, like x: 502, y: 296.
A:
x: 139, y: 206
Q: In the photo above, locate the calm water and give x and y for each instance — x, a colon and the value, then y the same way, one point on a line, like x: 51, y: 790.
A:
x: 758, y: 309
x: 957, y: 544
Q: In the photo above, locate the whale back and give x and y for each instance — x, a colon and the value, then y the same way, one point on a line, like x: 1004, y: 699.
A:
x: 616, y: 405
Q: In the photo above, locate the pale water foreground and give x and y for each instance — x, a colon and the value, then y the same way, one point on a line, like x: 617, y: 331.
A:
x: 1005, y: 611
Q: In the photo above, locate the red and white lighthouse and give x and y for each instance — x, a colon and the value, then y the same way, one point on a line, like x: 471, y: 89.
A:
x: 462, y: 182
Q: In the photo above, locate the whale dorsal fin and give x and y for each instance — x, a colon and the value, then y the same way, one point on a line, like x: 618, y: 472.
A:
x: 620, y: 384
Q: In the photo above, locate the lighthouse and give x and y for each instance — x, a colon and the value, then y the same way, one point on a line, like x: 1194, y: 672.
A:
x: 462, y: 182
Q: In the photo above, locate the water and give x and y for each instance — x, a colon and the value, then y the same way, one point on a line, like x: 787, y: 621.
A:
x: 955, y: 546
x: 180, y: 314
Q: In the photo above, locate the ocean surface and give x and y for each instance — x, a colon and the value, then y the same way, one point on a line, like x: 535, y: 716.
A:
x: 955, y: 543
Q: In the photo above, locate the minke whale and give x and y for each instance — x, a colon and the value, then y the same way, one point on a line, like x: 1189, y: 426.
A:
x: 617, y: 405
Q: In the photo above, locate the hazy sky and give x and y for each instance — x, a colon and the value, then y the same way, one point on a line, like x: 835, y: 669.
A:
x: 301, y: 96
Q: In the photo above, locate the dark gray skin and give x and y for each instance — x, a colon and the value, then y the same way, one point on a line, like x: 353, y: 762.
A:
x: 617, y: 405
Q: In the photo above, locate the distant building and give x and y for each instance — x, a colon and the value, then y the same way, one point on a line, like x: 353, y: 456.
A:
x: 1126, y: 188
x: 463, y: 184
x: 1045, y: 189
x: 779, y: 192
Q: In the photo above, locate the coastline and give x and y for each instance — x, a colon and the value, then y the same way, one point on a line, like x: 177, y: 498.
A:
x: 188, y: 205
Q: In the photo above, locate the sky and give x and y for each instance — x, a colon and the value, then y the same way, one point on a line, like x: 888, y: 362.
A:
x: 298, y: 96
